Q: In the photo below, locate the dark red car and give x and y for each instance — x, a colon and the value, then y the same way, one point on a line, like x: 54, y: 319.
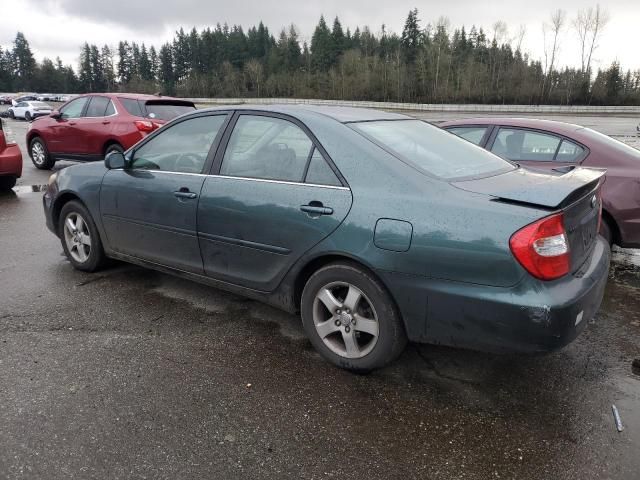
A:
x: 549, y: 145
x: 10, y: 159
x: 89, y: 127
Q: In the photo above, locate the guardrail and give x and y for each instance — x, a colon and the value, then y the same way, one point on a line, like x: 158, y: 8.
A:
x: 432, y: 107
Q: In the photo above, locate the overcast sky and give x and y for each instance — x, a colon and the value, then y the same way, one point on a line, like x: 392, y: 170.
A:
x: 60, y: 27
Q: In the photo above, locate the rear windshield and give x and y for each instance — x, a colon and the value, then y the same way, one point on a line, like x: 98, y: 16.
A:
x: 167, y: 111
x: 612, y: 142
x: 39, y: 104
x: 433, y: 150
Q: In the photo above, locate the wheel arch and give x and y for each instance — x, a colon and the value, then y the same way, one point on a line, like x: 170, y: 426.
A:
x: 109, y: 142
x: 59, y: 203
x: 613, y: 225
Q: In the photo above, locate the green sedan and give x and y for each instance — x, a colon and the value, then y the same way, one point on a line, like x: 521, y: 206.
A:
x: 376, y: 228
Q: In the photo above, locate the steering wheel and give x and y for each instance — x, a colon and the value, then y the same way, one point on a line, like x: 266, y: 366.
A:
x: 189, y: 162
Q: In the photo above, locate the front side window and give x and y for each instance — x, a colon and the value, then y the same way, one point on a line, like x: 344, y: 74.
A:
x: 517, y: 144
x: 471, y: 134
x: 182, y: 148
x: 74, y: 108
x: 268, y: 148
x: 432, y: 149
x: 97, y: 107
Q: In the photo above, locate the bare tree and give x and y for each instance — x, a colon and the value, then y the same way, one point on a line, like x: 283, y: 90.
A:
x: 520, y: 37
x: 253, y: 69
x: 589, y: 25
x: 554, y: 29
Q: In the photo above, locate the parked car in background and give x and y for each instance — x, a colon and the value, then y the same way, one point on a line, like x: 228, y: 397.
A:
x: 90, y: 126
x: 5, y: 100
x: 23, y: 98
x: 556, y: 146
x: 30, y: 110
x: 10, y: 158
x: 45, y: 97
x: 377, y: 227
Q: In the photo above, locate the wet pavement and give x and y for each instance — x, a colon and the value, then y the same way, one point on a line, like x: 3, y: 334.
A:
x: 128, y: 373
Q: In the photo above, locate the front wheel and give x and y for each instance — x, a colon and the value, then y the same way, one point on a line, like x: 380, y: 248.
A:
x: 12, y: 115
x: 40, y: 155
x: 80, y: 239
x: 351, y: 319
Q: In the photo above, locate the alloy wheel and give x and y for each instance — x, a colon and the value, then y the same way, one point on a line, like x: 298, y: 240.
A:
x: 77, y: 237
x: 345, y: 320
x: 37, y: 153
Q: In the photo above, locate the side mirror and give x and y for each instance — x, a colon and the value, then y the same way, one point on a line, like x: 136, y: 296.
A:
x: 56, y: 114
x: 115, y: 160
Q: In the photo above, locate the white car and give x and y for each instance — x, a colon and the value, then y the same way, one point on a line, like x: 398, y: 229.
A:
x: 30, y: 110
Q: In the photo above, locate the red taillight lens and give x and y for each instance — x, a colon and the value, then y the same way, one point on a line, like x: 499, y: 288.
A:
x: 542, y: 248
x: 145, y: 126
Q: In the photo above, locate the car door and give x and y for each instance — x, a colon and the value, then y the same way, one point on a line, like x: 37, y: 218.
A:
x: 20, y: 109
x: 536, y: 149
x: 95, y: 125
x: 149, y: 208
x: 65, y: 137
x: 274, y: 195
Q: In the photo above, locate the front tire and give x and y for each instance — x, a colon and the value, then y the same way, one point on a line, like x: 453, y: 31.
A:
x: 351, y: 319
x: 12, y: 115
x: 606, y: 232
x: 40, y: 154
x: 7, y: 183
x: 80, y: 238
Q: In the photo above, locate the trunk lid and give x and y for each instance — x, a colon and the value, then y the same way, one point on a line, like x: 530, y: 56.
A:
x: 576, y: 193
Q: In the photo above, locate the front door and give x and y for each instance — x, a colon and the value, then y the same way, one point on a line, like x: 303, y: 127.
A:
x: 149, y: 208
x: 275, y: 198
x: 537, y: 150
x: 66, y: 136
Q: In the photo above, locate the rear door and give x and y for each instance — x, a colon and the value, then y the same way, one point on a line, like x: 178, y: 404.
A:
x: 149, y: 209
x: 274, y: 196
x: 536, y: 149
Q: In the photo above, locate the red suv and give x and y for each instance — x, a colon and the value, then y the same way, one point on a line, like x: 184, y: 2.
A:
x: 89, y: 127
x: 10, y: 159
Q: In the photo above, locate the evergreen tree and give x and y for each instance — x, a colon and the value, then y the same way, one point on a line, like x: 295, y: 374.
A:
x: 166, y: 74
x: 24, y: 64
x: 411, y: 37
x: 322, y: 47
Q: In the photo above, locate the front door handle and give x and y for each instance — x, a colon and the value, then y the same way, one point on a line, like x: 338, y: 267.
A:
x: 185, y: 193
x: 316, y: 209
x: 106, y: 122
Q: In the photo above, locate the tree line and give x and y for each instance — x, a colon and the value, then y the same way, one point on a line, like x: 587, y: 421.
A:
x: 426, y: 64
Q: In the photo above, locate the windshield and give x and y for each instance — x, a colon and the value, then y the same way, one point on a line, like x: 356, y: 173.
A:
x: 433, y: 150
x: 612, y: 142
x: 167, y: 111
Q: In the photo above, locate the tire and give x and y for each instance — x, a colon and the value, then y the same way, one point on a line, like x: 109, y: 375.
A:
x: 353, y: 326
x: 606, y: 231
x: 84, y: 253
x: 27, y: 116
x: 12, y: 115
x: 40, y: 154
x: 114, y: 147
x: 7, y: 183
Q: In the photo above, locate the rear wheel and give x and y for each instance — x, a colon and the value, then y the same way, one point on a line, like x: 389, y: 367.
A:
x: 27, y: 116
x: 12, y: 115
x: 40, y: 155
x: 351, y: 319
x: 80, y: 239
x: 7, y: 183
x: 114, y: 147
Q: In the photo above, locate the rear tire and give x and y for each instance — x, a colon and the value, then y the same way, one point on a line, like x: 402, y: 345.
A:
x: 361, y: 334
x: 80, y: 238
x: 114, y: 147
x: 606, y: 232
x: 27, y: 116
x: 7, y: 183
x: 12, y: 115
x: 40, y: 154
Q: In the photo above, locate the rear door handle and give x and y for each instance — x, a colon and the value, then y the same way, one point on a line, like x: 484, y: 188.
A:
x: 316, y: 209
x: 185, y: 193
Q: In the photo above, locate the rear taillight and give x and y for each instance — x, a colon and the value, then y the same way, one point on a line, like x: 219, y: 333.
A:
x: 542, y: 248
x: 146, y: 126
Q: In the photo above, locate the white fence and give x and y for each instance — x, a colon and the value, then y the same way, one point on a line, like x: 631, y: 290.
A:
x: 432, y: 107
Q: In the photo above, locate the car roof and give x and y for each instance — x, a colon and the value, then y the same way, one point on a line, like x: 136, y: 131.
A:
x: 340, y: 114
x: 136, y: 96
x: 536, y: 123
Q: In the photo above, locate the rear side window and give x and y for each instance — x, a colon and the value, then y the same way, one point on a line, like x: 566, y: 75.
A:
x: 266, y: 147
x: 320, y: 172
x: 471, y: 134
x: 132, y: 106
x: 111, y: 110
x: 97, y: 107
x: 569, y: 152
x: 167, y: 110
x: 517, y: 144
x: 432, y: 149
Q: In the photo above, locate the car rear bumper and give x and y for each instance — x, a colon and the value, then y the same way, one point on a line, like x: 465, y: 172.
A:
x: 11, y: 161
x: 533, y: 316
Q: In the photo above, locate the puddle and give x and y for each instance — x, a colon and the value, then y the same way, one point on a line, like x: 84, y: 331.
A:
x: 625, y: 266
x: 30, y: 188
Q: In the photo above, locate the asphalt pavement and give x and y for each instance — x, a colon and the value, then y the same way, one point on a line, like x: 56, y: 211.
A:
x: 132, y: 374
